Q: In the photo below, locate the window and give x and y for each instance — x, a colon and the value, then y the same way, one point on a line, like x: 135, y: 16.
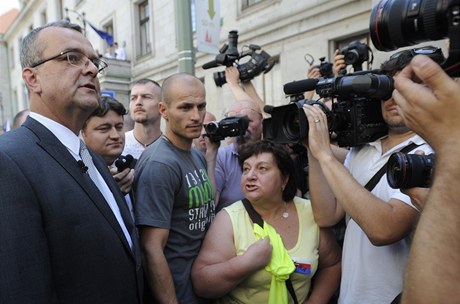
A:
x: 269, y: 84
x: 43, y: 18
x: 108, y: 28
x: 248, y: 3
x: 12, y: 57
x: 145, y: 45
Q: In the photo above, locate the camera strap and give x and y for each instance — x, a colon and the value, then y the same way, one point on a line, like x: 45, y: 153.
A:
x: 257, y: 219
x: 376, y: 178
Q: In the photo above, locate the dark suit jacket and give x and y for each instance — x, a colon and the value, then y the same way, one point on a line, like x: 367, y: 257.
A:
x: 59, y: 240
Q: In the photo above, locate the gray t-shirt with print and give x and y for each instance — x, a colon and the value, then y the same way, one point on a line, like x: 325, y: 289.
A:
x: 172, y: 191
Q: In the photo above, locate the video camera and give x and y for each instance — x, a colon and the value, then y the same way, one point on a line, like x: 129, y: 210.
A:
x: 356, y: 117
x: 228, y: 55
x: 227, y: 127
x: 394, y: 24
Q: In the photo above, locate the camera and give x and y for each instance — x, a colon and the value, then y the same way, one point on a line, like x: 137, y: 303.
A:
x: 325, y: 68
x: 288, y: 123
x: 227, y: 127
x: 398, y: 23
x: 228, y: 55
x: 356, y: 116
x: 355, y: 54
x: 410, y: 170
x: 124, y: 161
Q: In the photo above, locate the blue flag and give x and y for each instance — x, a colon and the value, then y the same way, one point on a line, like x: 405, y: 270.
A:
x: 104, y: 35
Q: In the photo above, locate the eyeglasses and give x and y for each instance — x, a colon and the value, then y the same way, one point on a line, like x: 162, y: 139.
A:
x: 77, y: 59
x: 434, y: 52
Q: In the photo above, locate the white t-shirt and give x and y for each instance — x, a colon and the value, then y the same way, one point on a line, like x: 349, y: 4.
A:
x: 372, y: 274
x: 132, y: 146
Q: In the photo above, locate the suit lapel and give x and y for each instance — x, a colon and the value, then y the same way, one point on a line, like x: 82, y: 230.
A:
x: 52, y: 146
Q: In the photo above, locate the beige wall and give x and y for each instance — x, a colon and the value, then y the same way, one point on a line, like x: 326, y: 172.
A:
x: 288, y: 28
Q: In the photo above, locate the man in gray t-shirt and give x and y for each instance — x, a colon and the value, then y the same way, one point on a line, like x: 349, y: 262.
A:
x: 174, y: 195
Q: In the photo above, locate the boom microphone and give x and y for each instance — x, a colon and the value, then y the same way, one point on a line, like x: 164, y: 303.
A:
x: 300, y: 86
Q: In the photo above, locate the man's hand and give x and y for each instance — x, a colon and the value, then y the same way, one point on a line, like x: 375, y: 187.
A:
x: 318, y: 133
x: 232, y: 75
x: 124, y: 178
x: 339, y: 62
x: 430, y: 109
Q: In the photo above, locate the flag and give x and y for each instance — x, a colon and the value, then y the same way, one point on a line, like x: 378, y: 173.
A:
x: 104, y: 35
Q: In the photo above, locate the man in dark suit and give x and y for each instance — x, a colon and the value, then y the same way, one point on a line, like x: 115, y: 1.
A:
x: 62, y: 239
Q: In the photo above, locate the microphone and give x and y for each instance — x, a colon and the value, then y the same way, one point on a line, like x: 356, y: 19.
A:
x: 82, y: 166
x: 210, y: 64
x: 124, y: 162
x: 300, y: 86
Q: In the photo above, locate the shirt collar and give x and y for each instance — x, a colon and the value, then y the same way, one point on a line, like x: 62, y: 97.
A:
x: 63, y: 134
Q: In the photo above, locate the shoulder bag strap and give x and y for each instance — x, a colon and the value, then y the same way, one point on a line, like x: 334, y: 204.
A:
x: 257, y: 219
x: 376, y: 178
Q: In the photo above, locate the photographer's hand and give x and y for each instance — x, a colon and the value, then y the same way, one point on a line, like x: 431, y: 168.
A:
x: 339, y: 62
x: 232, y: 75
x: 430, y: 109
x: 318, y: 133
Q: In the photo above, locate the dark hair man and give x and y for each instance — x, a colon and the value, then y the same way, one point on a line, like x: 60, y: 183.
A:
x: 103, y: 133
x: 379, y: 220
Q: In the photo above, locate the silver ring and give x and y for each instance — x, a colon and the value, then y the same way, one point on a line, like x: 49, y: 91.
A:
x: 316, y: 120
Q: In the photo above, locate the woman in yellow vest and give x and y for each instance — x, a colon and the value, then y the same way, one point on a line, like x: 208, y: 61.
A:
x: 242, y: 262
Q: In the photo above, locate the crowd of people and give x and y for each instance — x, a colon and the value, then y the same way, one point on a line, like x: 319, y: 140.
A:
x: 90, y: 213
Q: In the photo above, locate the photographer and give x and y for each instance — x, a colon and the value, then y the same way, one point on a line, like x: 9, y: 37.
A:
x: 431, y: 109
x: 379, y: 219
x: 228, y: 171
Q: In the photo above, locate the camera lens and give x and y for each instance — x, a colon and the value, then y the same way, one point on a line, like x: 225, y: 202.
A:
x: 351, y: 57
x: 410, y: 170
x: 219, y: 78
x: 211, y: 128
x: 398, y: 23
x: 292, y: 126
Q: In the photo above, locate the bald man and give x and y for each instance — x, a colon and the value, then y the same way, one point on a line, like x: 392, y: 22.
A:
x: 228, y: 171
x: 174, y: 193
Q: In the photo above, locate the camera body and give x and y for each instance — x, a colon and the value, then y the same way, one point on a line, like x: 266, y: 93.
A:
x: 227, y: 127
x: 398, y: 23
x: 325, y: 68
x: 356, y: 116
x: 356, y: 53
x: 229, y: 55
x: 250, y: 69
x: 410, y: 170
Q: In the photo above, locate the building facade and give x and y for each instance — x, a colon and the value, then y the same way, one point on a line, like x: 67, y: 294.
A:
x: 291, y: 31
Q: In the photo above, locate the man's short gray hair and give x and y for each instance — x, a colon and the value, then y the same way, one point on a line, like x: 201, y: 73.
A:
x: 31, y: 51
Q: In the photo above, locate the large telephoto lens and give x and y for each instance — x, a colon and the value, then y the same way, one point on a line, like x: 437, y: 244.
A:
x: 410, y: 170
x: 399, y: 23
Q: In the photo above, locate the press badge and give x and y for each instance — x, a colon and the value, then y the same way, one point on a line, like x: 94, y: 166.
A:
x: 302, y: 266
